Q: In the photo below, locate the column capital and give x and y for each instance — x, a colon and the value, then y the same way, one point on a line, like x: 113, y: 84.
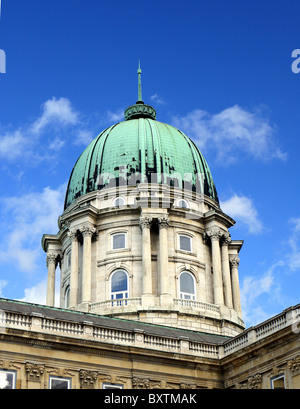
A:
x: 234, y: 261
x: 225, y: 239
x: 214, y: 233
x: 53, y: 258
x: 73, y: 234
x: 163, y: 222
x: 145, y: 222
x: 87, y: 230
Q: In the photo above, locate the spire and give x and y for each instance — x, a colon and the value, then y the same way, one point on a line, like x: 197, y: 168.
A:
x: 139, y: 110
x: 140, y: 99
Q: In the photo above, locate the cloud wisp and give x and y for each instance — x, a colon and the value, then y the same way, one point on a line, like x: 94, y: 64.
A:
x: 231, y: 133
x: 31, y: 215
x: 242, y: 209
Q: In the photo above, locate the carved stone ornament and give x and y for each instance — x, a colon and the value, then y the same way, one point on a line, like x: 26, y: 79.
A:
x: 254, y: 382
x: 140, y: 383
x: 87, y: 379
x: 214, y: 234
x: 294, y: 365
x: 87, y: 230
x: 34, y: 371
x: 163, y: 222
x: 73, y: 235
x: 145, y: 222
x: 226, y: 239
x: 234, y: 262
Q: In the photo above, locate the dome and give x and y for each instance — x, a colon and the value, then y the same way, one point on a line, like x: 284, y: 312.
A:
x: 140, y: 149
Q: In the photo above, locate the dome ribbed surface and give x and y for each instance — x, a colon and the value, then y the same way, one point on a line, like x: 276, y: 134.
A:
x: 134, y: 151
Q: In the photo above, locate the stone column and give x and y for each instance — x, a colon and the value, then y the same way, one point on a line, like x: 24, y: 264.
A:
x: 87, y: 233
x: 226, y: 239
x: 215, y: 235
x: 74, y: 269
x: 165, y: 297
x: 234, y: 262
x: 145, y: 224
x: 51, y: 264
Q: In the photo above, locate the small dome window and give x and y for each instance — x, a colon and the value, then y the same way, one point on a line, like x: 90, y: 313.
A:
x: 119, y: 201
x: 183, y: 203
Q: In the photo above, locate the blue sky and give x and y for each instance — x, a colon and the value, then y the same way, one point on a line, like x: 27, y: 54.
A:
x: 219, y: 70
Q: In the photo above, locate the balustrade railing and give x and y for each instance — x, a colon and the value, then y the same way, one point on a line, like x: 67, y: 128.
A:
x: 38, y: 323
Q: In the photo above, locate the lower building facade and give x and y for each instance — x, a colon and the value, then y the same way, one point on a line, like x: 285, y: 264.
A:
x: 49, y: 348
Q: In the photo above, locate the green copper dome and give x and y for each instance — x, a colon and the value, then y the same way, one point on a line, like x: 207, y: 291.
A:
x: 139, y: 148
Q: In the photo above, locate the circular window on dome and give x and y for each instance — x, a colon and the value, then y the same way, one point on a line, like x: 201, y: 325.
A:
x: 118, y: 201
x: 183, y: 204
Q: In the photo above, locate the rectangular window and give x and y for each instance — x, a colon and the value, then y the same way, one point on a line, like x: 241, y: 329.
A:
x: 185, y: 243
x: 278, y: 382
x: 69, y: 259
x: 118, y: 241
x: 111, y: 386
x: 7, y: 379
x: 59, y: 383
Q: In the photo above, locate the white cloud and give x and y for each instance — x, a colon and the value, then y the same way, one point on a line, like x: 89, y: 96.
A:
x: 31, y: 215
x: 56, y: 111
x: 157, y: 99
x: 3, y: 283
x: 230, y: 133
x: 37, y: 293
x: 254, y: 287
x: 116, y: 116
x: 24, y: 142
x: 84, y: 137
x: 242, y: 209
x: 13, y: 144
x: 293, y: 259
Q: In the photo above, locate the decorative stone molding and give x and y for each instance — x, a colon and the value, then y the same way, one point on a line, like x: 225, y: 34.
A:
x: 294, y: 365
x: 140, y: 383
x: 87, y: 230
x: 145, y: 222
x: 225, y: 239
x: 55, y: 258
x: 87, y: 379
x: 234, y: 261
x: 51, y: 258
x: 254, y: 382
x: 73, y: 234
x: 214, y: 234
x: 34, y: 371
x: 163, y: 222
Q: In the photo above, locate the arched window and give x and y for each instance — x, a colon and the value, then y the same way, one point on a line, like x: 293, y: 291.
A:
x: 183, y: 203
x: 67, y: 297
x: 119, y: 285
x: 119, y: 201
x: 187, y: 286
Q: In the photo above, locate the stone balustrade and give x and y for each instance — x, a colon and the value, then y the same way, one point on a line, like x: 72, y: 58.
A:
x: 86, y: 330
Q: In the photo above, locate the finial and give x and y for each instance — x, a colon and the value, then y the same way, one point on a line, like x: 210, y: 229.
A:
x: 139, y: 110
x: 140, y: 99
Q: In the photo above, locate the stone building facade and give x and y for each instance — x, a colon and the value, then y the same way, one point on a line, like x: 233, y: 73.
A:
x: 149, y: 283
